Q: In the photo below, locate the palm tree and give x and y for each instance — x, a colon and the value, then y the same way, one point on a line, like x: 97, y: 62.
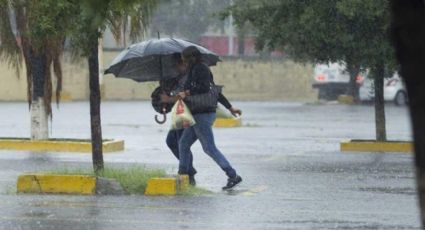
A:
x: 40, y: 27
x: 95, y: 16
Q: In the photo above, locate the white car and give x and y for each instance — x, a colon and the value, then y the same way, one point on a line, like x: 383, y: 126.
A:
x: 332, y: 80
x: 394, y: 90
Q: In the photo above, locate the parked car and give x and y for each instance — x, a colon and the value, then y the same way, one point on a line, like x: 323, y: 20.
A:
x: 332, y: 80
x: 394, y: 90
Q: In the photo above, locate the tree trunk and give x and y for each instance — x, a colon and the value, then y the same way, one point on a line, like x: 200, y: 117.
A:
x: 381, y: 134
x: 409, y: 35
x: 39, y: 117
x: 96, y: 127
x: 353, y: 87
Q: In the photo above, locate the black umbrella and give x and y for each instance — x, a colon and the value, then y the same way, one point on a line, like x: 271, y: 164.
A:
x: 154, y: 60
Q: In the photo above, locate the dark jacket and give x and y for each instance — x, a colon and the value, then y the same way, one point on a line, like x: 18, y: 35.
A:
x: 199, y: 81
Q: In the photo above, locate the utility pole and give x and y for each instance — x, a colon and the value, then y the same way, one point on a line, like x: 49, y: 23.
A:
x: 231, y: 32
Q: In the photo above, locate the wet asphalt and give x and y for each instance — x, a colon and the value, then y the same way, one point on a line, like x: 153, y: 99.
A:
x: 288, y: 154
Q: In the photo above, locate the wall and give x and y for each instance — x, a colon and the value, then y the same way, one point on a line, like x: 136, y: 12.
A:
x: 243, y: 80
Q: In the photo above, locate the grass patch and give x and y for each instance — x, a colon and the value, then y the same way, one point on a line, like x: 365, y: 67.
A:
x: 195, y: 191
x: 133, y: 180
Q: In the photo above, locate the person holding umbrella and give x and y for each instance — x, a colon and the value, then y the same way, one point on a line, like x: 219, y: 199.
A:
x: 173, y: 135
x: 152, y: 60
x: 200, y: 81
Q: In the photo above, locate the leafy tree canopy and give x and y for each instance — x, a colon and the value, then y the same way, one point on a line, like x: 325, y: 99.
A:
x: 96, y: 15
x: 354, y: 31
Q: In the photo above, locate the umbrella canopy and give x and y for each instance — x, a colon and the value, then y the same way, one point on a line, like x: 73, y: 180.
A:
x: 154, y: 60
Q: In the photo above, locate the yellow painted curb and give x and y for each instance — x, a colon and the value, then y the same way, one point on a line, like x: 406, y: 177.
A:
x: 375, y: 146
x: 58, y: 145
x: 227, y: 122
x: 112, y: 146
x: 167, y: 186
x: 345, y: 99
x: 65, y: 184
x: 161, y: 186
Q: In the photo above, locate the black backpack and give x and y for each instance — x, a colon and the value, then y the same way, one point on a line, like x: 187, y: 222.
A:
x: 165, y: 86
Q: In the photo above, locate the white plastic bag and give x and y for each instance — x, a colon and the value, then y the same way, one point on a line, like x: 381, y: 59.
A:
x: 181, y: 117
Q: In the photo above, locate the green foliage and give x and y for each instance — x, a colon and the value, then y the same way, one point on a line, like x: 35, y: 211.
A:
x: 354, y: 31
x: 134, y: 180
x: 96, y: 15
x: 9, y: 49
x: 48, y: 19
x: 41, y: 28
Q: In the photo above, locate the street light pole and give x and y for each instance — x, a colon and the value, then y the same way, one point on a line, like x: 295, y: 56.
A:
x: 231, y: 31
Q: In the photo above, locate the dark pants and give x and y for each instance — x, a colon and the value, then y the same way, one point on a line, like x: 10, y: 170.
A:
x: 172, y: 141
x: 202, y: 130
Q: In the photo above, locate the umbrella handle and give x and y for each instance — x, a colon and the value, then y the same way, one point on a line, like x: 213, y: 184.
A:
x: 164, y: 117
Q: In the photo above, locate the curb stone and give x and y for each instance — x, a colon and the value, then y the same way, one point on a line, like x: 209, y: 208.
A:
x: 68, y: 184
x: 167, y: 186
x: 376, y: 146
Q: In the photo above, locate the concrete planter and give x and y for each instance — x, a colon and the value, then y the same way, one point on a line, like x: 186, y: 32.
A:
x: 67, y: 184
x: 40, y: 183
x: 167, y: 186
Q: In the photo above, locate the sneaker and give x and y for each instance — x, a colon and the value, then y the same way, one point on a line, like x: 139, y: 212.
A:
x: 192, y: 180
x: 232, y: 182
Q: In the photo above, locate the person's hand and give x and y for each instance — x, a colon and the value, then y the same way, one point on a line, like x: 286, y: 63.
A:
x: 235, y: 112
x: 182, y: 95
x: 164, y: 98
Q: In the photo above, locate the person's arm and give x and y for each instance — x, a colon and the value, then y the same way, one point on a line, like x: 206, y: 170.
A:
x: 223, y: 100
x: 168, y: 99
x: 234, y: 111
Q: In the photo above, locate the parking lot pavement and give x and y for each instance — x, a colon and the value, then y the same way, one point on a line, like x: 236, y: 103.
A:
x: 288, y: 154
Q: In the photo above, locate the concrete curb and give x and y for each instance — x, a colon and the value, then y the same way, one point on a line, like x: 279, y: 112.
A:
x: 62, y: 184
x: 375, y: 146
x: 58, y: 145
x: 67, y: 184
x: 227, y: 122
x: 40, y: 183
x: 167, y: 186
